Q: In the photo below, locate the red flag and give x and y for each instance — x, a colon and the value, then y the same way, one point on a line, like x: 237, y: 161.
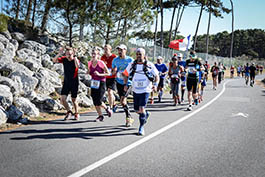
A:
x: 175, y: 44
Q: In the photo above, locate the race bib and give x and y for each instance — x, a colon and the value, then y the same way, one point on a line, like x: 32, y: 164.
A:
x: 120, y: 75
x: 191, y: 70
x: 175, y: 76
x: 95, y: 84
x: 140, y: 83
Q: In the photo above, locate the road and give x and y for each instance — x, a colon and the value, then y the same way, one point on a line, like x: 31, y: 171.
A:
x: 222, y: 136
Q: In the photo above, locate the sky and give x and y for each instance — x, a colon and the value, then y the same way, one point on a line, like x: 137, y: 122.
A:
x: 249, y: 14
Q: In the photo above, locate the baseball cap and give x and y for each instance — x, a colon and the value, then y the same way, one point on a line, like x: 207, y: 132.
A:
x: 121, y: 46
x: 180, y: 55
x: 159, y: 57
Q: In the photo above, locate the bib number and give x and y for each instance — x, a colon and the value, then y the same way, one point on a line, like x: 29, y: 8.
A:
x: 192, y: 70
x: 140, y: 84
x: 95, y: 84
x: 119, y: 75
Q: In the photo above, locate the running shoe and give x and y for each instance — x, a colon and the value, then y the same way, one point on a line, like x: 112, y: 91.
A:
x: 196, y: 102
x: 109, y: 111
x: 147, y: 115
x: 68, y: 115
x: 115, y: 107
x: 189, y: 108
x: 100, y: 118
x: 141, y: 131
x: 159, y: 99
x: 129, y: 122
x: 76, y: 116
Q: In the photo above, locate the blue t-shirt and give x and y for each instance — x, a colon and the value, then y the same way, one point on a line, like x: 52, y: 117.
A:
x: 121, y: 65
x: 182, y: 63
x: 161, y: 68
x: 247, y: 69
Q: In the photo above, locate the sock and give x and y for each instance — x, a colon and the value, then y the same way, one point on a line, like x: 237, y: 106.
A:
x: 142, y: 118
x: 126, y: 110
x: 182, y: 94
x: 161, y: 94
x: 201, y: 92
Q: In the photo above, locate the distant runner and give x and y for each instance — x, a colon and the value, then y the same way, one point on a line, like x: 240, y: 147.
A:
x: 215, y: 72
x: 247, y: 73
x: 252, y: 70
x: 183, y: 76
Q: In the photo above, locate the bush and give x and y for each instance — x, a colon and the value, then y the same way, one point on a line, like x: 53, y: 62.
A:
x: 3, y: 22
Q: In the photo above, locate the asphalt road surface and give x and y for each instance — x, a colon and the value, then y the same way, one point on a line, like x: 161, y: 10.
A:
x: 223, y: 136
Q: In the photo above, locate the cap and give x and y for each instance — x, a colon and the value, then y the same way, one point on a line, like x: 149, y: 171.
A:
x: 159, y: 57
x: 180, y: 55
x: 193, y: 56
x: 121, y: 46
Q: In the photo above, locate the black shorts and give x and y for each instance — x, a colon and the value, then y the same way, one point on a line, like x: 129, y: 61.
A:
x: 70, y: 86
x: 192, y: 85
x: 161, y: 82
x: 110, y: 83
x: 97, y: 94
x: 120, y: 89
x: 252, y: 76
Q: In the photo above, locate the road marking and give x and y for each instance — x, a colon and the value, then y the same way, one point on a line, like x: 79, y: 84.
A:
x: 143, y: 140
x: 240, y: 114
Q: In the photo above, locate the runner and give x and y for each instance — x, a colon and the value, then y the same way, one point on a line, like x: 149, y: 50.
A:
x: 162, y: 68
x: 247, y: 74
x: 261, y: 69
x: 110, y: 80
x: 214, y: 71
x: 71, y: 81
x: 206, y: 69
x: 202, y: 83
x: 193, y: 65
x: 243, y: 70
x: 252, y: 70
x: 175, y: 75
x: 238, y: 71
x: 119, y: 64
x: 220, y: 72
x: 232, y: 70
x: 98, y: 71
x: 142, y: 73
x: 182, y: 63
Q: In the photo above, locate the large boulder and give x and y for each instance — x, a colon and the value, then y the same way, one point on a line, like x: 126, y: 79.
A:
x: 85, y: 78
x: 14, y: 87
x: 6, y: 34
x: 18, y: 36
x: 26, y: 53
x: 82, y: 88
x: 28, y: 82
x: 14, y: 114
x: 46, y: 103
x: 50, y: 75
x: 9, y: 50
x: 26, y: 106
x: 35, y: 46
x: 3, y: 116
x: 84, y: 101
x: 46, y: 61
x: 58, y: 68
x: 6, y: 97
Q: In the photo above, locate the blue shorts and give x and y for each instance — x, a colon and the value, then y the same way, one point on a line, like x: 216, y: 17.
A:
x: 247, y: 74
x: 140, y: 100
x: 204, y: 82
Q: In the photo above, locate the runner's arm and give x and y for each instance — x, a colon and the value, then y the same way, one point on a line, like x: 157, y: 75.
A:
x: 55, y: 59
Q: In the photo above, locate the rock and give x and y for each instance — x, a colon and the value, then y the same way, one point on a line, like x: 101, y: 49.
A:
x: 9, y: 49
x: 45, y: 103
x: 82, y: 88
x: 32, y: 64
x: 84, y: 101
x: 14, y: 114
x: 6, y: 97
x: 3, y: 116
x: 17, y: 67
x: 26, y: 106
x: 18, y: 36
x: 85, y: 78
x: 35, y: 46
x: 30, y: 95
x: 15, y: 43
x: 28, y: 82
x: 26, y: 53
x: 51, y: 76
x: 14, y: 87
x: 24, y: 121
x: 6, y: 65
x: 58, y: 68
x: 6, y: 34
x: 46, y: 61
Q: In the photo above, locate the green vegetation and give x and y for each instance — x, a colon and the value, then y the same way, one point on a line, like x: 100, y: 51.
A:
x: 3, y: 22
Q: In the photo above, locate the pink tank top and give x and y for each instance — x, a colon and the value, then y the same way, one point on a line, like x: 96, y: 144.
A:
x: 99, y: 68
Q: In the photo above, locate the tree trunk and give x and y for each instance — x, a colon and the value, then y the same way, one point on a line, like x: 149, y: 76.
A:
x: 155, y: 35
x: 33, y: 13
x: 208, y: 30
x: 69, y: 22
x: 18, y: 9
x: 81, y: 32
x: 172, y: 19
x: 197, y: 28
x: 118, y: 28
x: 28, y: 11
x: 124, y: 29
x: 178, y: 20
x: 162, y: 26
x: 232, y: 34
x: 109, y: 25
x: 45, y: 15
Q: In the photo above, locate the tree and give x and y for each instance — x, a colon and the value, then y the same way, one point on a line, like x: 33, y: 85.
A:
x: 29, y: 9
x: 45, y: 16
x: 232, y: 35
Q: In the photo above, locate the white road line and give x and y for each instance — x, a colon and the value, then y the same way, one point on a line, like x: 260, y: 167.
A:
x: 143, y: 140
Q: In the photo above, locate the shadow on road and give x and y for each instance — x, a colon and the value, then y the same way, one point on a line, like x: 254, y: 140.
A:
x: 66, y: 133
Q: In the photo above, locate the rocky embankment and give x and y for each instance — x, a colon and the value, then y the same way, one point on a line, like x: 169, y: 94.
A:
x: 30, y: 82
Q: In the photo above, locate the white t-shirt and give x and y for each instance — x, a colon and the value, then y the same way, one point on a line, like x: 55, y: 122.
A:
x: 140, y: 82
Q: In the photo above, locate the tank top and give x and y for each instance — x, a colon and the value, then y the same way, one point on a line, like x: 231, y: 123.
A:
x: 99, y: 68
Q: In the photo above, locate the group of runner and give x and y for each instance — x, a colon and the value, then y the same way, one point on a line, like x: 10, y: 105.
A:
x: 123, y: 74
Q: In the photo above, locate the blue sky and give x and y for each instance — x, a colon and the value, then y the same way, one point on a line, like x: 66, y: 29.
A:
x: 249, y: 14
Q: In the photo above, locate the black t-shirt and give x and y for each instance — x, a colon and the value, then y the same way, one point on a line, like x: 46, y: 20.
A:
x: 70, y: 71
x: 252, y: 69
x: 193, y: 68
x: 215, y: 70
